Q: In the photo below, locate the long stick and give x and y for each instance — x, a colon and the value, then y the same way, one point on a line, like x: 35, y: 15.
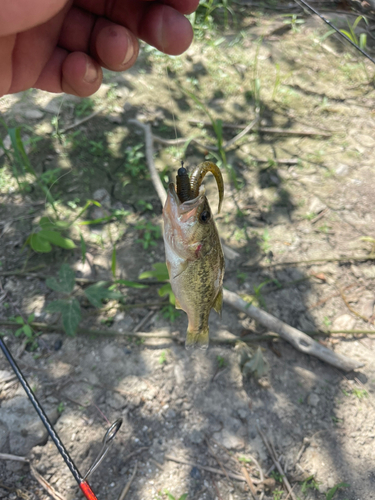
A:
x: 298, y: 339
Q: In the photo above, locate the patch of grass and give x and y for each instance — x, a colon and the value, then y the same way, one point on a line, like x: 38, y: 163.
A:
x: 264, y: 245
x: 309, y: 484
x: 85, y: 107
x: 277, y: 476
x: 277, y: 494
x: 162, y: 358
x: 359, y: 393
x: 331, y: 493
x: 221, y: 362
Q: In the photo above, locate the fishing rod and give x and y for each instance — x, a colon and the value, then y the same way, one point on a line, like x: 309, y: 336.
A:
x: 107, y: 440
x: 303, y: 2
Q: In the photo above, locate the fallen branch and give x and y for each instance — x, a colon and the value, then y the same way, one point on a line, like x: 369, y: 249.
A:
x: 267, y: 130
x: 84, y: 120
x: 299, y: 340
x: 277, y: 464
x: 238, y: 477
x: 7, y: 456
x: 129, y: 483
x: 356, y: 258
x: 45, y: 484
x: 249, y: 482
x: 158, y: 185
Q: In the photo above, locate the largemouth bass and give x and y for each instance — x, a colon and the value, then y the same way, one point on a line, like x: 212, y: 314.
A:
x: 193, y: 251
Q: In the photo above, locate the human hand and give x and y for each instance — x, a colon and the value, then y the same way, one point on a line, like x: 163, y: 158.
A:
x: 61, y: 45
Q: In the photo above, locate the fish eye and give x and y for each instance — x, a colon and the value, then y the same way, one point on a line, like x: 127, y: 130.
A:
x: 205, y: 216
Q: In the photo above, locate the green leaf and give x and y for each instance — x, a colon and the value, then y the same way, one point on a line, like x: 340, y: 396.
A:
x: 131, y: 284
x: 53, y: 225
x: 27, y: 331
x: 83, y: 248
x: 18, y: 332
x: 71, y: 316
x: 19, y: 320
x: 30, y: 319
x: 56, y: 306
x: 113, y: 266
x: 167, y: 290
x: 183, y: 497
x: 160, y: 272
x: 66, y: 282
x: 330, y: 494
x: 38, y: 244
x: 97, y: 293
x: 256, y: 366
x: 56, y: 239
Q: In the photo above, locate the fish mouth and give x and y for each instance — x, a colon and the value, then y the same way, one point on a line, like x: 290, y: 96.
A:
x: 187, y: 208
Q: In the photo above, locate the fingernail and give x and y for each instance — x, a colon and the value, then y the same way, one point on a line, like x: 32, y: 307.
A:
x: 129, y: 53
x: 91, y: 74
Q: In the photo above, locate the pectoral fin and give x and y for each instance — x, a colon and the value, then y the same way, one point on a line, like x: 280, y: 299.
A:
x: 181, y: 268
x: 218, y: 304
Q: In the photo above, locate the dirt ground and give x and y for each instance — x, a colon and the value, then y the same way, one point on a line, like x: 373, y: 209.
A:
x: 303, y: 194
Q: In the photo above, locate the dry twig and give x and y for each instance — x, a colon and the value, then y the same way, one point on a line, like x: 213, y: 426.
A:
x: 45, y: 484
x: 238, y: 477
x: 127, y: 486
x: 277, y: 464
x: 249, y: 482
x: 217, y: 459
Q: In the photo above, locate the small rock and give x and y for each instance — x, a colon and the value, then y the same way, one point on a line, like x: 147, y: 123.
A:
x: 196, y: 437
x: 365, y: 140
x: 57, y: 345
x: 103, y: 197
x: 195, y: 473
x: 343, y: 322
x: 313, y: 399
x: 342, y: 169
x: 243, y: 413
x: 33, y: 114
x: 316, y: 206
x: 229, y: 439
x: 179, y: 374
x: 170, y: 414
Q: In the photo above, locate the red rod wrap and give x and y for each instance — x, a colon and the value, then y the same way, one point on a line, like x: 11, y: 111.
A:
x: 87, y: 491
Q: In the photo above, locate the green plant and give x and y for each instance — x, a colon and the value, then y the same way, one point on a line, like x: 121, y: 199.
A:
x: 331, y: 493
x: 134, y: 160
x: 68, y: 306
x: 171, y: 497
x: 221, y: 361
x: 26, y: 329
x: 61, y: 407
x: 277, y: 494
x: 84, y: 107
x: 244, y: 460
x: 309, y: 484
x: 293, y: 21
x: 160, y: 272
x: 162, y: 358
x: 359, y: 393
x: 327, y: 322
x: 264, y: 245
x: 360, y: 41
x: 277, y: 476
x: 20, y: 162
x: 149, y: 233
x: 48, y: 235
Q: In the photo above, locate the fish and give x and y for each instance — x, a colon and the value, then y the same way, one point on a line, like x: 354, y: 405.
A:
x: 193, y: 251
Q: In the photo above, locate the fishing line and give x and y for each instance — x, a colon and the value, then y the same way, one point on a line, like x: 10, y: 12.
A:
x: 335, y: 29
x: 107, y: 440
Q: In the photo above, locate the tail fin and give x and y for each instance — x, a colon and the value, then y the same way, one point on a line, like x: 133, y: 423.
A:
x: 197, y: 340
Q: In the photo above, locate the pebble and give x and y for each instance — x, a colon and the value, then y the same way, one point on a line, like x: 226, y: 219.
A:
x: 313, y: 399
x: 33, y: 114
x: 195, y: 473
